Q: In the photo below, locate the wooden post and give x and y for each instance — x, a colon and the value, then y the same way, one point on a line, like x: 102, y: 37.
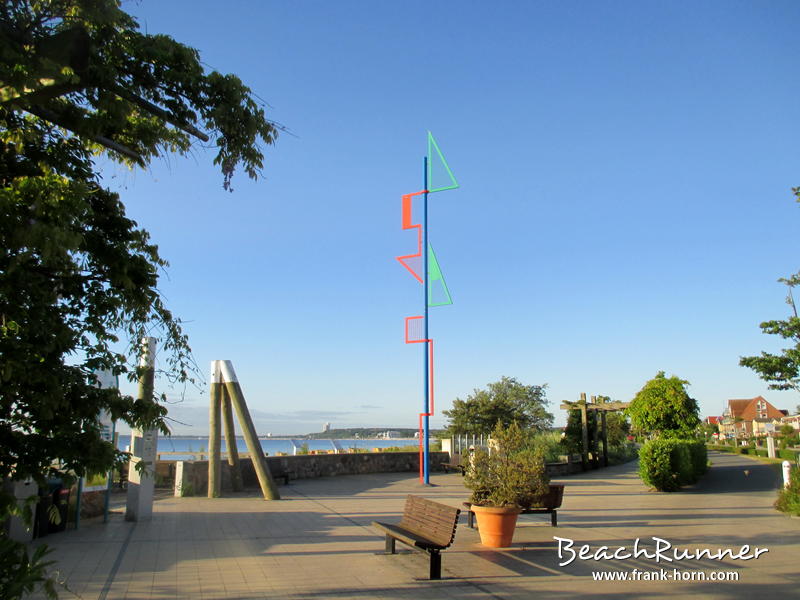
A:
x: 595, y: 437
x: 268, y: 487
x: 604, y: 438
x: 230, y: 442
x: 214, y: 410
x: 584, y: 434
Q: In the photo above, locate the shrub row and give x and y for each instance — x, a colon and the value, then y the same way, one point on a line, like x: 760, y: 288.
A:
x: 669, y: 464
x: 786, y: 454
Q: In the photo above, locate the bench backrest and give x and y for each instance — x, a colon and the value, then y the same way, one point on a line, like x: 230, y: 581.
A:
x: 427, y: 518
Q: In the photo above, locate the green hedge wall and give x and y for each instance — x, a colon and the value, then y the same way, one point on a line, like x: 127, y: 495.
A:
x: 667, y: 465
x: 786, y: 454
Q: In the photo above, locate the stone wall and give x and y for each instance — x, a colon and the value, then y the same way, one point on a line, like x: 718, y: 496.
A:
x: 560, y: 469
x: 191, y: 477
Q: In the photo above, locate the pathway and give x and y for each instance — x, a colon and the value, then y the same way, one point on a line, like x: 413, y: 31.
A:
x: 317, y: 543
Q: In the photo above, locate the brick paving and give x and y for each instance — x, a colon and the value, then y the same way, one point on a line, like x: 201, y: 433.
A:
x: 317, y: 542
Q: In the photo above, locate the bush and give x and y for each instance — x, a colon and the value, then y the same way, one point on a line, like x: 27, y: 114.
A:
x: 511, y: 475
x: 548, y: 444
x: 669, y: 464
x: 618, y: 455
x: 789, y: 497
x: 699, y: 458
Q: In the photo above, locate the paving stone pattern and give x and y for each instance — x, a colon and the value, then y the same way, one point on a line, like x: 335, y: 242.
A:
x: 317, y: 542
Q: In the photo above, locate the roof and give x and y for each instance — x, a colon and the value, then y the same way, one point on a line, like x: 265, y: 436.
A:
x: 737, y: 407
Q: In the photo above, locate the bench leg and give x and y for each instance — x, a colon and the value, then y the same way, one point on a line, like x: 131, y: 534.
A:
x: 471, y: 519
x: 554, y: 519
x: 436, y: 565
x: 390, y: 548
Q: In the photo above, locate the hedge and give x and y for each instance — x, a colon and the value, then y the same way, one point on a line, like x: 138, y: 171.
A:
x: 669, y: 464
x: 786, y: 454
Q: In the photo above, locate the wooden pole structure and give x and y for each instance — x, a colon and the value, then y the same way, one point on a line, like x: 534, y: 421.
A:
x: 230, y: 442
x: 214, y: 410
x: 601, y: 408
x: 604, y: 438
x: 584, y: 433
x: 268, y: 487
x: 595, y: 436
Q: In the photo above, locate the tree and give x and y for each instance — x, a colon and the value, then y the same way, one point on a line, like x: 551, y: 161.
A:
x: 505, y: 402
x: 77, y: 277
x: 663, y: 408
x: 781, y: 371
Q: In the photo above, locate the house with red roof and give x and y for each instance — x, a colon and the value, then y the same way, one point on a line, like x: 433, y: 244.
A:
x: 748, y: 416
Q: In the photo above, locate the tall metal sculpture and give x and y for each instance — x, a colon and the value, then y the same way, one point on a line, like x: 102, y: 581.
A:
x: 425, y: 268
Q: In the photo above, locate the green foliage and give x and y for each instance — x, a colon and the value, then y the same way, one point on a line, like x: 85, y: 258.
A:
x: 186, y: 489
x: 76, y: 275
x: 78, y: 278
x: 789, y: 497
x: 512, y: 474
x: 23, y: 572
x: 663, y: 408
x: 618, y: 455
x: 303, y: 449
x: 669, y: 464
x: 781, y: 371
x: 548, y: 444
x: 506, y: 401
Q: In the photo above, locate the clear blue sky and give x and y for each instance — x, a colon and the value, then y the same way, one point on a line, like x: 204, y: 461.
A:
x: 625, y: 202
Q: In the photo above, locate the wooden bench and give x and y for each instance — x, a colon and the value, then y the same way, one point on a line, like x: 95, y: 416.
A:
x: 551, y: 503
x: 285, y: 475
x: 455, y: 463
x: 426, y: 526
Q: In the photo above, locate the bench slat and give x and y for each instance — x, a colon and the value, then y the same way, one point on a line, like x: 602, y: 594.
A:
x: 431, y: 519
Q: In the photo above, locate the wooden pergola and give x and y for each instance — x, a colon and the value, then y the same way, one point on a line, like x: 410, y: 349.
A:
x: 597, y: 407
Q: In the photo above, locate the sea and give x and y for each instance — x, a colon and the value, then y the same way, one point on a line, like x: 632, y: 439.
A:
x: 271, y: 446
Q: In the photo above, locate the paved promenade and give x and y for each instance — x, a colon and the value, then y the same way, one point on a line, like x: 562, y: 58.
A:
x: 317, y: 543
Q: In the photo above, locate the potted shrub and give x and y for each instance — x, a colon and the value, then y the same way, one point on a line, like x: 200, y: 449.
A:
x: 504, y: 481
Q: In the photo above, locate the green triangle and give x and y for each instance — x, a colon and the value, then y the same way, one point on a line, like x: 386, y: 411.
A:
x: 438, y: 294
x: 440, y: 177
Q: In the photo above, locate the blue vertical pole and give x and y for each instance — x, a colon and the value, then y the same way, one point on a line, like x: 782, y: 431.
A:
x: 425, y: 422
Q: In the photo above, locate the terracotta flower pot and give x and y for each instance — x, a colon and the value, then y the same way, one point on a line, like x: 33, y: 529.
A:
x: 496, y: 524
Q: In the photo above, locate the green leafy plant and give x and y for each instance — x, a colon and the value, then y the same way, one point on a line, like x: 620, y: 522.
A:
x: 511, y: 474
x: 789, y: 497
x: 25, y: 572
x: 663, y: 408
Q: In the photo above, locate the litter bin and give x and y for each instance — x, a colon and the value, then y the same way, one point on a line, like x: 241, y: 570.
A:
x: 53, y: 494
x: 41, y: 519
